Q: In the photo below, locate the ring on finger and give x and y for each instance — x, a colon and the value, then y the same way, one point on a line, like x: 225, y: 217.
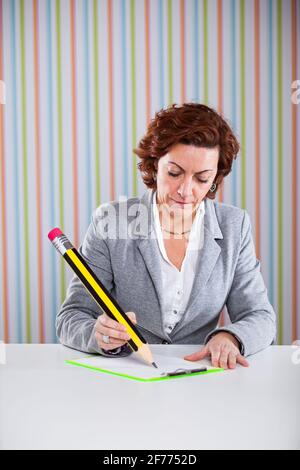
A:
x: 105, y: 339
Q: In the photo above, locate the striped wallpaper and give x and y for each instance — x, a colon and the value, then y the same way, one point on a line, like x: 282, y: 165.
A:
x: 83, y: 78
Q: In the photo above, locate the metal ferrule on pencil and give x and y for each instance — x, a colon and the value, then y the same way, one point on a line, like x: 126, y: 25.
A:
x: 62, y: 244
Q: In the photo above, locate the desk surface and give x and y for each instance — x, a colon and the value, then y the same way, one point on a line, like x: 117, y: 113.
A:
x: 47, y: 404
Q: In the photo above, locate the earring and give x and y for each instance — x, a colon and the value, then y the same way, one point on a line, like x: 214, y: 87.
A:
x: 154, y: 177
x: 213, y: 188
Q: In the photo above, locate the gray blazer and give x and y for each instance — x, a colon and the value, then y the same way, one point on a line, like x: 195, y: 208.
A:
x: 121, y: 247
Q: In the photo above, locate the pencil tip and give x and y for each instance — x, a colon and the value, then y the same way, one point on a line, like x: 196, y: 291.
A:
x: 154, y: 365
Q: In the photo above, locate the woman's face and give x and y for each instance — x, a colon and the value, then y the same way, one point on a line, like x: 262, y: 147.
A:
x: 185, y: 175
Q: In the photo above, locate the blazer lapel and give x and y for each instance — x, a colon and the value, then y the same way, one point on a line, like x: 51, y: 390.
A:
x: 148, y: 247
x: 150, y: 253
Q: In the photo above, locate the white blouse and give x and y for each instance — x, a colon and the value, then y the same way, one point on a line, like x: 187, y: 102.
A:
x: 177, y: 285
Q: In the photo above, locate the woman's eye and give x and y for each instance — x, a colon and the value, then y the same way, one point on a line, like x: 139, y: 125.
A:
x: 178, y: 174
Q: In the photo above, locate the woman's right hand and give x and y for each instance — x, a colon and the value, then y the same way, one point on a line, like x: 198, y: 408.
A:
x: 116, y: 332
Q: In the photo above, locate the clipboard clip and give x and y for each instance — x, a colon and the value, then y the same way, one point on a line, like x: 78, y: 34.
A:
x: 183, y: 372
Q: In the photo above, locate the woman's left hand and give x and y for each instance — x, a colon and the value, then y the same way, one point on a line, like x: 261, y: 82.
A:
x: 224, y: 351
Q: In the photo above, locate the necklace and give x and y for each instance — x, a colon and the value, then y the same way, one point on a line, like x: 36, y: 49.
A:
x: 175, y: 233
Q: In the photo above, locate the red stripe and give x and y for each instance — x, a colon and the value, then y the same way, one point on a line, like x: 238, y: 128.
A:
x: 182, y: 44
x: 111, y: 100
x: 38, y: 172
x: 3, y: 199
x: 257, y: 124
x: 147, y: 61
x: 74, y: 125
x: 295, y: 236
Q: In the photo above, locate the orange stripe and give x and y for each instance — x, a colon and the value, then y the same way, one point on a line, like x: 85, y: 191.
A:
x: 3, y: 199
x: 74, y: 125
x: 111, y: 101
x: 222, y: 319
x: 147, y: 60
x: 38, y: 172
x: 220, y: 104
x: 257, y: 125
x: 295, y: 236
x: 220, y: 57
x: 182, y: 46
x: 220, y: 79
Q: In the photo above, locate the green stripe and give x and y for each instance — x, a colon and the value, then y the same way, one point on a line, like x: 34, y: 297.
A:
x: 25, y: 173
x: 60, y: 145
x: 97, y: 114
x: 205, y: 52
x: 140, y: 379
x: 133, y: 99
x: 170, y: 52
x: 280, y: 171
x: 243, y: 102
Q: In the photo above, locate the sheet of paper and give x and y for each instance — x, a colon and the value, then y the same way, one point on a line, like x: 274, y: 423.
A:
x: 134, y: 367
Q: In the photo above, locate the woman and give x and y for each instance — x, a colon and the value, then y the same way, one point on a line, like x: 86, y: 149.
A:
x: 174, y: 258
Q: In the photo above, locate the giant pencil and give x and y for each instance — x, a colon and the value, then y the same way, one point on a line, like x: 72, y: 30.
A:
x: 99, y: 292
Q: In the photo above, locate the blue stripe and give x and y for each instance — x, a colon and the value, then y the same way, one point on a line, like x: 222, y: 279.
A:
x: 17, y: 212
x: 88, y: 113
x: 271, y: 158
x: 196, y: 50
x: 161, y: 79
x: 124, y: 102
x: 52, y: 285
x: 234, y: 95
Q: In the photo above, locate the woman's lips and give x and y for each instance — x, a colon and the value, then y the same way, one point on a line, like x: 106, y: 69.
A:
x: 180, y: 202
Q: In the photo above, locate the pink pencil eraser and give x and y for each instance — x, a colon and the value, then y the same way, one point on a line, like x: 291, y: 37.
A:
x: 54, y: 233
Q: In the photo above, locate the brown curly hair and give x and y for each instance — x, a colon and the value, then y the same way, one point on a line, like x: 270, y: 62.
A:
x: 189, y: 124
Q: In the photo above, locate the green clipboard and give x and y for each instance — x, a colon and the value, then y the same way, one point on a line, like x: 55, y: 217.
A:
x: 140, y: 372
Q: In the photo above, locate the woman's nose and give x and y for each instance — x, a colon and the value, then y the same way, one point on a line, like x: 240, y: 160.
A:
x: 186, y: 188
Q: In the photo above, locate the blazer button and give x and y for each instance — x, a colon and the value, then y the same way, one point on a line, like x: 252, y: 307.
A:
x: 165, y: 342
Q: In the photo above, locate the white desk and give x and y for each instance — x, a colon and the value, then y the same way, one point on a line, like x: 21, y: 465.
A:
x: 47, y: 404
